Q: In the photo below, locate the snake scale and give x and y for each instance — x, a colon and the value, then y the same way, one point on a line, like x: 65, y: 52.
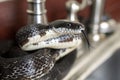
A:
x: 39, y: 39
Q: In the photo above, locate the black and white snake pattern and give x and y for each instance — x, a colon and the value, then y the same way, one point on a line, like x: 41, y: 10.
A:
x: 62, y: 35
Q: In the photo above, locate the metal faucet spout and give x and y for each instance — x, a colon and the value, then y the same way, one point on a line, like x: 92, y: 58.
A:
x: 36, y: 11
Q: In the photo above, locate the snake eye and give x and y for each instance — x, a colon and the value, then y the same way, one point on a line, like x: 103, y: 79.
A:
x: 68, y: 24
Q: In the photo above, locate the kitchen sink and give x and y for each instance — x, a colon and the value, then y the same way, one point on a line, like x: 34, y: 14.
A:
x: 101, y: 63
x: 109, y: 70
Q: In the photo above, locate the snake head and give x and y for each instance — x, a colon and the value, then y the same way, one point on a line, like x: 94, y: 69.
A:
x: 28, y: 31
x: 66, y: 27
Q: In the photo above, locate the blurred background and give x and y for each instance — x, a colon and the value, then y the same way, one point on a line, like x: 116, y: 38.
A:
x: 13, y: 14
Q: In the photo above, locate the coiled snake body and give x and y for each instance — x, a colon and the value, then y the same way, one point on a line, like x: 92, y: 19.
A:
x: 62, y: 35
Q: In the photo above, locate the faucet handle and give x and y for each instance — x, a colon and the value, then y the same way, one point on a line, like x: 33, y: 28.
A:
x: 74, y: 6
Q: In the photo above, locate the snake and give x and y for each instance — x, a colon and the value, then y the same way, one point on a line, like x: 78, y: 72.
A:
x: 38, y: 40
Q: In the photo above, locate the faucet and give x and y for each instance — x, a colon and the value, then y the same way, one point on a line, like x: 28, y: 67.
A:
x: 73, y: 7
x: 86, y: 63
x: 98, y: 25
x: 97, y: 12
x: 36, y: 11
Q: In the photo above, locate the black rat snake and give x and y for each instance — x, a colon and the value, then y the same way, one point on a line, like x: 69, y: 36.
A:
x: 64, y: 36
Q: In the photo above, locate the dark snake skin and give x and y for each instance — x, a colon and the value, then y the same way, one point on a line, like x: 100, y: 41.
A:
x: 8, y: 50
x: 31, y: 66
x: 29, y: 31
x: 36, y: 64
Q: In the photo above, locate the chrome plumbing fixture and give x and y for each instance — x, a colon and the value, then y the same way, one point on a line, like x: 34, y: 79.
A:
x: 100, y: 24
x: 73, y: 7
x: 36, y: 11
x: 107, y: 24
x: 97, y: 12
x: 85, y: 64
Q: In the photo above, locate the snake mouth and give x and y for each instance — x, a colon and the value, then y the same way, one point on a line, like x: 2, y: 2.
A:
x: 62, y: 41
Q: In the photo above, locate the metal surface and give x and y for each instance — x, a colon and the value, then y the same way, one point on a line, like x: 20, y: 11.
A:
x: 73, y: 7
x: 87, y: 63
x: 108, y: 70
x: 36, y: 11
x: 97, y: 12
x: 107, y: 24
x: 100, y: 24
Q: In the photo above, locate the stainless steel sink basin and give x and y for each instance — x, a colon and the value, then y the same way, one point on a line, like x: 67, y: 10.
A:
x: 101, y: 63
x: 110, y: 70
